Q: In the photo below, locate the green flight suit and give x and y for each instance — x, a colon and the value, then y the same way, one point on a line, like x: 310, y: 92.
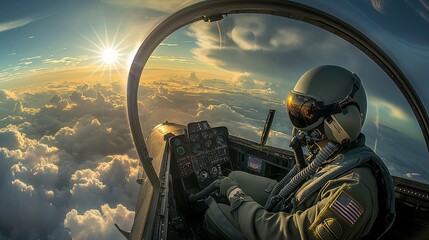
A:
x: 343, y: 200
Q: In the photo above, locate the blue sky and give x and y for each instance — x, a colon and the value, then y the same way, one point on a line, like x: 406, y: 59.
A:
x: 44, y: 28
x: 49, y: 34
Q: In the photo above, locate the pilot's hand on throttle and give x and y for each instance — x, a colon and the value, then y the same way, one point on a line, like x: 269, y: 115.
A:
x: 226, y: 185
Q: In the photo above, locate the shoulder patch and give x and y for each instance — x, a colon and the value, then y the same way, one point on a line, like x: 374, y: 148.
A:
x: 347, y: 208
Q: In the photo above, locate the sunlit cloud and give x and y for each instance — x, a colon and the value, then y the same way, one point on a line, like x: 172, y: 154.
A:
x: 246, y: 80
x: 94, y: 224
x: 286, y: 38
x: 12, y: 69
x: 247, y: 34
x: 392, y: 109
x: 31, y: 58
x: 5, y: 26
x: 53, y: 156
x: 68, y: 61
x: 169, y: 44
x: 170, y: 59
x: 37, y: 70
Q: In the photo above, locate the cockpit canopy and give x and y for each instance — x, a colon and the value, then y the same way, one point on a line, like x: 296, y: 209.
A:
x: 230, y: 69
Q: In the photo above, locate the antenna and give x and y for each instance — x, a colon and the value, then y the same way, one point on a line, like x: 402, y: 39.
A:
x: 267, y: 127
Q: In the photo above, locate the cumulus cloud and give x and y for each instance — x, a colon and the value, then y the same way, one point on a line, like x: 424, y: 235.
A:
x: 8, y: 101
x: 87, y: 137
x: 245, y: 80
x: 11, y: 138
x: 93, y: 224
x: 27, y: 212
x: 112, y: 180
x: 70, y: 151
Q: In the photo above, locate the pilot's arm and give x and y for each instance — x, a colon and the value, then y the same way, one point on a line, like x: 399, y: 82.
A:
x: 346, y: 209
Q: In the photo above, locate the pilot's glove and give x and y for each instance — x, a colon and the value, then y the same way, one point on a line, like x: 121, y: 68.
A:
x: 226, y: 185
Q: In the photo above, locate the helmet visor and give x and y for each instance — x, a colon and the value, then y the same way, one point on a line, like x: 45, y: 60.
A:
x: 301, y: 109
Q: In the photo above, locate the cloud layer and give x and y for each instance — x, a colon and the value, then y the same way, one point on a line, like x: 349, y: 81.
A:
x: 66, y: 162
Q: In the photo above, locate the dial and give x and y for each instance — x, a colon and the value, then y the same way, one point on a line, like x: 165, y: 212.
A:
x: 180, y: 151
x: 211, y: 135
x: 205, y: 135
x: 213, y: 171
x: 203, y: 174
x: 177, y: 141
x: 196, y: 147
x: 220, y: 140
x: 208, y: 143
x: 193, y: 137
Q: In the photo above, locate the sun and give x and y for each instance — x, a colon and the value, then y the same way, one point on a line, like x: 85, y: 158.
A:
x: 110, y: 56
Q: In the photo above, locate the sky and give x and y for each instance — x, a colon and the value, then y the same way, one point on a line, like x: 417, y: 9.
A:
x: 47, y: 35
x: 68, y: 167
x: 67, y: 163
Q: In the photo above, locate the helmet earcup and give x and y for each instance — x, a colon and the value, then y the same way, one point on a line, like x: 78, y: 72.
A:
x: 345, y: 126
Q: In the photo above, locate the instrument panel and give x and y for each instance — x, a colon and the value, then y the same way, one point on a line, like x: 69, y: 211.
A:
x: 201, y: 151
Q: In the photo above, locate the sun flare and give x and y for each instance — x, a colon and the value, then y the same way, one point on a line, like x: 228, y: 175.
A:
x: 110, y: 56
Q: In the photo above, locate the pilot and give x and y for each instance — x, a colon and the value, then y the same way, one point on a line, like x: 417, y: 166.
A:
x: 345, y: 191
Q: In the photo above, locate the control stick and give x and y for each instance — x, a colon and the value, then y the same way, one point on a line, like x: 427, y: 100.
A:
x: 214, y: 186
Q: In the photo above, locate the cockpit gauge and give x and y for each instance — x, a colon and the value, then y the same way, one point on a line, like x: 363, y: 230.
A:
x: 177, y: 141
x: 203, y: 174
x: 205, y: 135
x: 208, y: 143
x: 193, y: 137
x: 214, y: 171
x: 196, y: 147
x: 180, y: 151
x: 220, y: 140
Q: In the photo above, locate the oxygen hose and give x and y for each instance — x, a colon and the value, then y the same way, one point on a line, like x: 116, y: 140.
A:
x: 282, y: 183
x: 206, y: 191
x: 311, y: 169
x: 299, y: 164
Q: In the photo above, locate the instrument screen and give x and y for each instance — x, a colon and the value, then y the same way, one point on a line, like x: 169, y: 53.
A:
x: 201, y: 151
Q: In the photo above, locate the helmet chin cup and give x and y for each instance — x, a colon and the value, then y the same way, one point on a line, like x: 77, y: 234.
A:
x: 308, y: 138
x: 343, y: 127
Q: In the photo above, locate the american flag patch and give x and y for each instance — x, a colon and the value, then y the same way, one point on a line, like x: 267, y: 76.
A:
x: 347, y: 208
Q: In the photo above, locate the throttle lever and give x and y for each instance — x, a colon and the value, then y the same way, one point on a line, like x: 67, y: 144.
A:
x: 205, y: 192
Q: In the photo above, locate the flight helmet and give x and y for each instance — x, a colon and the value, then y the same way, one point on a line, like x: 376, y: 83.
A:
x: 328, y: 102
